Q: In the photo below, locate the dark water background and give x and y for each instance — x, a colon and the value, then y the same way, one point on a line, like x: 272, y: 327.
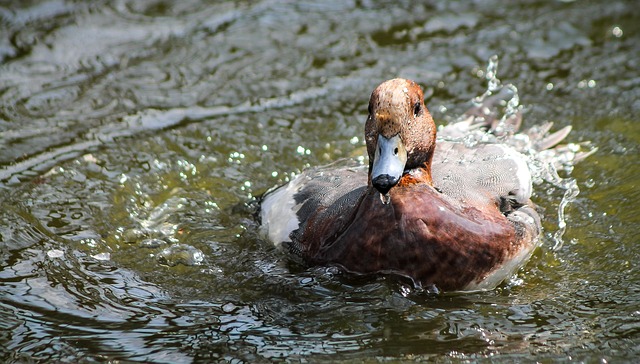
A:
x: 134, y: 136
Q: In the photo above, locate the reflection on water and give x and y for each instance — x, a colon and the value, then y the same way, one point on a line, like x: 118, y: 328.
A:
x: 134, y: 137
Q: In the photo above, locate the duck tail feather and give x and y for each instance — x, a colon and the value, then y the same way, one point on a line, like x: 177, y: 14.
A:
x: 583, y: 155
x: 554, y: 139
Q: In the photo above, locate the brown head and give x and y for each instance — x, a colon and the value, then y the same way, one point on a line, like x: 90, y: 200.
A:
x: 400, y: 135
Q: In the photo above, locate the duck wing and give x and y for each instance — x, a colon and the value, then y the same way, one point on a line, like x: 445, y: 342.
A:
x: 321, y: 194
x: 485, y: 174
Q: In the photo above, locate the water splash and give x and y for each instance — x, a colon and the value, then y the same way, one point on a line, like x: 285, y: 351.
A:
x: 494, y: 85
x: 513, y: 105
x: 499, y: 110
x: 545, y: 171
x: 542, y: 163
x: 570, y: 195
x: 492, y: 75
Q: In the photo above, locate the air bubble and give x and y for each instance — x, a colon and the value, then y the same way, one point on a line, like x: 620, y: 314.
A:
x: 617, y: 32
x: 590, y: 183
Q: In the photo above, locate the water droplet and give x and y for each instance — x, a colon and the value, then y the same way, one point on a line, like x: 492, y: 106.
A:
x: 405, y: 290
x: 571, y: 192
x: 492, y: 72
x: 92, y: 243
x: 515, y: 281
x: 590, y: 183
x: 617, y: 32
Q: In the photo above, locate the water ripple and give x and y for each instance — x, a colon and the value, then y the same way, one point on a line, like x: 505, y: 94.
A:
x: 128, y: 128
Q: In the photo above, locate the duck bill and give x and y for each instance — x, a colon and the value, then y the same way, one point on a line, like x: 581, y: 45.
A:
x: 388, y: 163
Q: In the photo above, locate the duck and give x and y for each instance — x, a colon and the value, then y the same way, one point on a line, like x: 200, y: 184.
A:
x: 446, y: 214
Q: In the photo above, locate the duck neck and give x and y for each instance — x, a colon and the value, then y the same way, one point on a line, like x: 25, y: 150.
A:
x: 419, y: 175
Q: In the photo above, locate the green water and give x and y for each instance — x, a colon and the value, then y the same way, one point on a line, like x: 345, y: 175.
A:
x: 134, y: 137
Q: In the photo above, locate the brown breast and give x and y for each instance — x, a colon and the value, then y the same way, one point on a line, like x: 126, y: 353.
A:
x: 421, y: 234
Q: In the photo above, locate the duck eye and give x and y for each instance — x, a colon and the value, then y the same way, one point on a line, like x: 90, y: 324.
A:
x: 417, y: 108
x: 370, y: 108
x: 395, y: 151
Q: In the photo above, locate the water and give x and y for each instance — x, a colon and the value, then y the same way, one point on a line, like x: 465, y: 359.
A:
x: 134, y: 137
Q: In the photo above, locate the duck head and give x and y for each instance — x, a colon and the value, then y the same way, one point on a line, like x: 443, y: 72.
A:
x: 400, y: 136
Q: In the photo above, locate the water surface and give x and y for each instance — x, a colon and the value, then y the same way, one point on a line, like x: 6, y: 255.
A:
x: 135, y: 136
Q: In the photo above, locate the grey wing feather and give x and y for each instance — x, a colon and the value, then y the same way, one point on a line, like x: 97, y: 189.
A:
x: 331, y: 189
x: 485, y: 173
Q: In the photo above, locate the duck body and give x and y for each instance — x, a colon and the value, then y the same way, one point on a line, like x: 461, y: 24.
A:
x: 420, y: 233
x: 445, y: 215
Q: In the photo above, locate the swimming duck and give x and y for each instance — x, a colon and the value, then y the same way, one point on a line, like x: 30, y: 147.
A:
x: 449, y: 216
